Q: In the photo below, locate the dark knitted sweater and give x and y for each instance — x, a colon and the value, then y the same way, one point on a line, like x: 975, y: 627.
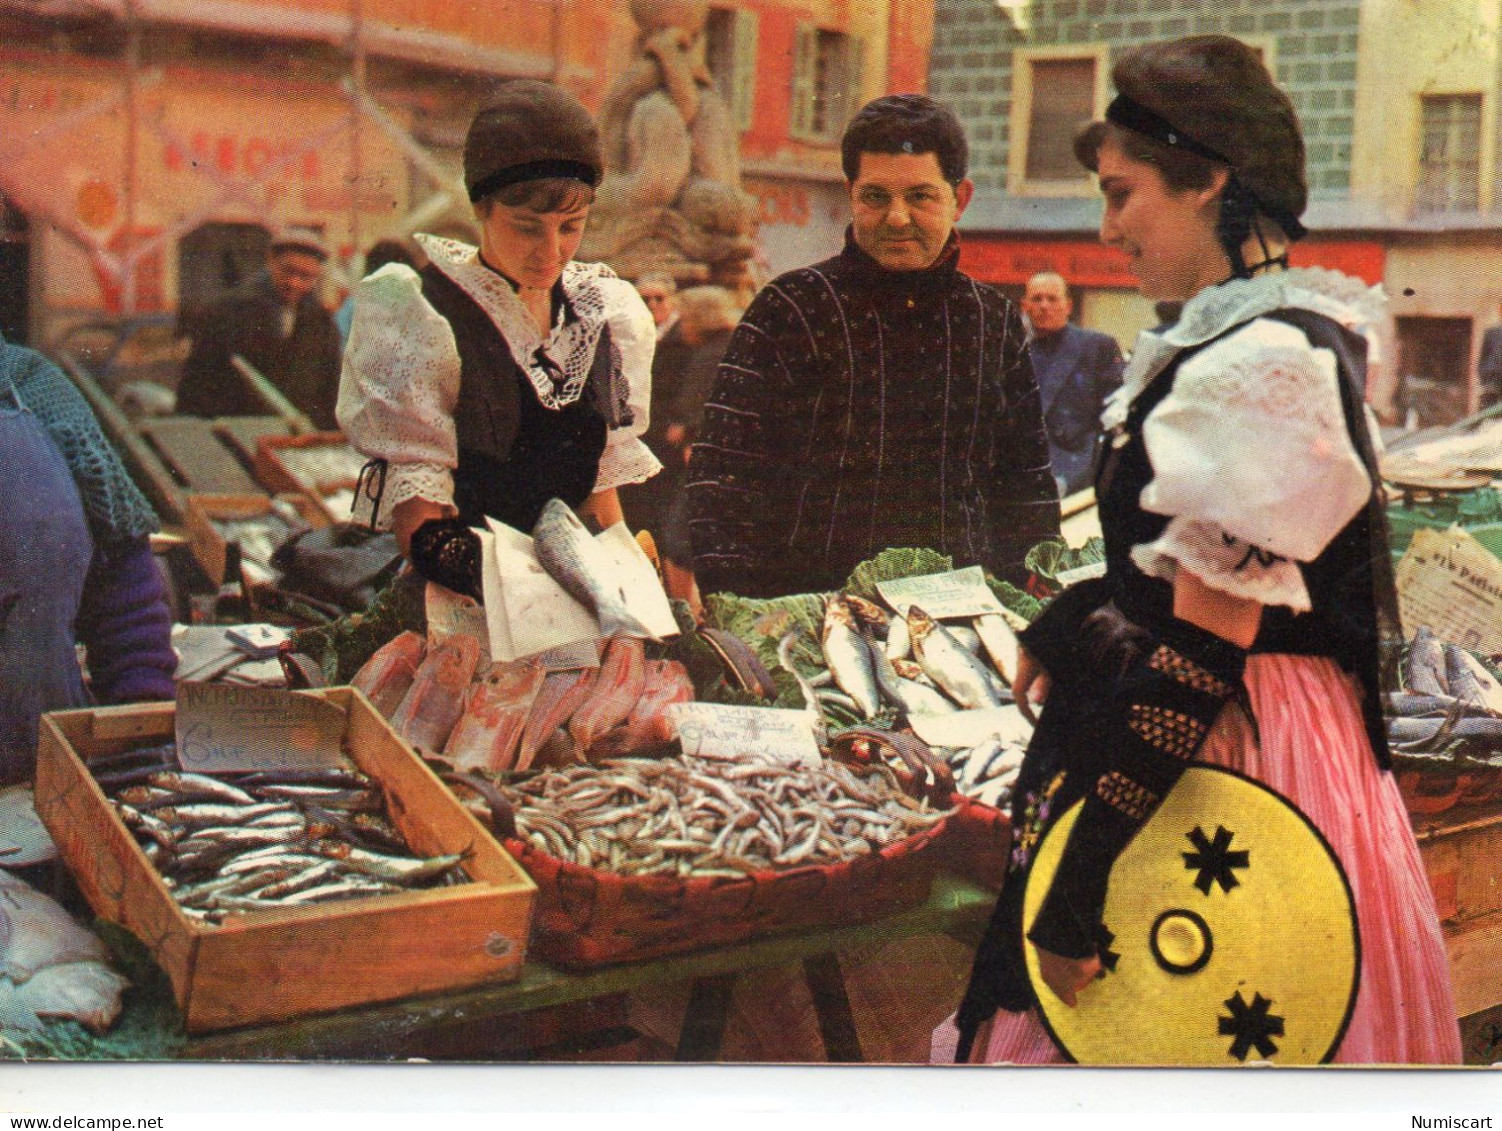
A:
x: 858, y: 409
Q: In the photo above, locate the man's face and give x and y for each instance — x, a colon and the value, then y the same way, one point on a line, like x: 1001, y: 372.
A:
x: 660, y: 302
x: 902, y: 208
x: 1047, y: 306
x: 294, y: 274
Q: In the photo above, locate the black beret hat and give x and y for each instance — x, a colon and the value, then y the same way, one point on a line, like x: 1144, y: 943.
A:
x: 528, y: 130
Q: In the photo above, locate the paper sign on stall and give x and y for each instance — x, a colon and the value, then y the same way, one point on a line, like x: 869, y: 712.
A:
x: 1451, y: 584
x: 527, y: 612
x: 224, y: 729
x: 963, y: 729
x: 715, y: 730
x: 958, y: 593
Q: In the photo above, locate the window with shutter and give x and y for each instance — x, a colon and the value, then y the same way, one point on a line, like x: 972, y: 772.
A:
x: 826, y: 79
x: 1449, y: 177
x: 1055, y: 91
x: 730, y: 44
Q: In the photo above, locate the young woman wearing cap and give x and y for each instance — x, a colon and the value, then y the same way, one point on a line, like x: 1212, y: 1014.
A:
x: 1248, y: 584
x: 501, y: 376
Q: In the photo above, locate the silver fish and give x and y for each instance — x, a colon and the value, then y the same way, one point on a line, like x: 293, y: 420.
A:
x: 848, y: 656
x: 785, y: 659
x: 969, y: 639
x: 200, y: 785
x: 899, y: 644
x: 963, y: 677
x: 1469, y: 680
x: 565, y: 549
x: 1424, y: 672
x: 399, y: 869
x: 1001, y: 644
x: 920, y: 699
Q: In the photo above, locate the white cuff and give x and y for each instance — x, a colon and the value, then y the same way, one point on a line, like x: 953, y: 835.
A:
x: 430, y: 481
x: 1225, y: 563
x: 625, y: 462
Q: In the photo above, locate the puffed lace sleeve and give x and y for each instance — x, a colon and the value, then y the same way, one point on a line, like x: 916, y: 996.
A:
x: 1253, y: 463
x: 626, y: 459
x: 398, y: 390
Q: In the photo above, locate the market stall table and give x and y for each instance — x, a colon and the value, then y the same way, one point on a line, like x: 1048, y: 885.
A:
x: 412, y: 1027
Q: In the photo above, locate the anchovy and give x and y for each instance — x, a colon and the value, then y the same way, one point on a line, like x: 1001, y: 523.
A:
x: 401, y: 869
x: 849, y: 657
x: 948, y: 664
x: 1425, y: 669
x: 201, y: 815
x: 201, y: 785
x: 572, y: 558
x: 327, y: 797
x: 339, y: 889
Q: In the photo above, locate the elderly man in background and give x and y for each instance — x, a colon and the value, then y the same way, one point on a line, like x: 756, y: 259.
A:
x: 881, y: 398
x: 1077, y: 370
x: 275, y: 321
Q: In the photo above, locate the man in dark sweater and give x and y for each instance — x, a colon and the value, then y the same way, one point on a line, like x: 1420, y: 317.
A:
x: 1077, y: 370
x: 275, y: 322
x: 878, y: 399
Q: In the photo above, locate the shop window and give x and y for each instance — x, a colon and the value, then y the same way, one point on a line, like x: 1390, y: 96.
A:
x: 1053, y: 96
x: 826, y: 83
x: 1450, y: 154
x: 730, y: 43
x: 1434, y: 362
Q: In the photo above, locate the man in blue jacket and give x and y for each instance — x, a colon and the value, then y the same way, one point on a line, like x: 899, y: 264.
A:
x: 1077, y: 370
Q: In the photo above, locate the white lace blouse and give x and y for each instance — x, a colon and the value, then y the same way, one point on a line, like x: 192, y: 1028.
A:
x: 400, y: 380
x: 1251, y: 457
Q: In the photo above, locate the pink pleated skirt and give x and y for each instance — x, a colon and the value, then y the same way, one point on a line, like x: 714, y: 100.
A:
x: 1314, y: 751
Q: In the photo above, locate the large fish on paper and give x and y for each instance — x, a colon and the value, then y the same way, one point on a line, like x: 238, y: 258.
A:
x: 947, y: 662
x: 435, y: 700
x: 649, y: 724
x: 387, y: 676
x: 623, y: 671
x: 561, y: 695
x: 848, y: 656
x: 574, y: 560
x: 496, y: 708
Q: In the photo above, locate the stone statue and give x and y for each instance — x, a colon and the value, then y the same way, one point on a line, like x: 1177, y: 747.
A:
x: 671, y: 198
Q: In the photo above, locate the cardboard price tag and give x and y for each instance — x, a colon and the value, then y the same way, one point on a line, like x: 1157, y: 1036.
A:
x: 714, y: 730
x: 958, y: 593
x: 221, y: 728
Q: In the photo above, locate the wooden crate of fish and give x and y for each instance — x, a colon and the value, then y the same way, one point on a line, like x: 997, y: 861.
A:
x: 268, y: 964
x: 321, y: 465
x: 258, y: 523
x: 640, y: 858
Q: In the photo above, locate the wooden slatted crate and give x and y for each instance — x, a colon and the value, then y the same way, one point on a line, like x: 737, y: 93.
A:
x: 273, y: 965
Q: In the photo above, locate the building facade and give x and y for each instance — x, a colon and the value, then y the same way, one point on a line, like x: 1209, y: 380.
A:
x: 151, y: 145
x: 1398, y: 104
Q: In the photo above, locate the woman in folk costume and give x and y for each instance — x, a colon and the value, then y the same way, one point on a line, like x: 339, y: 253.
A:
x: 501, y: 376
x: 1248, y: 584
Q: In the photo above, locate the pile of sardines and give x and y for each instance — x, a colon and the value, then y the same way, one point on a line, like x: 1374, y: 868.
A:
x: 1449, y: 697
x: 708, y: 817
x: 875, y: 661
x: 246, y: 842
